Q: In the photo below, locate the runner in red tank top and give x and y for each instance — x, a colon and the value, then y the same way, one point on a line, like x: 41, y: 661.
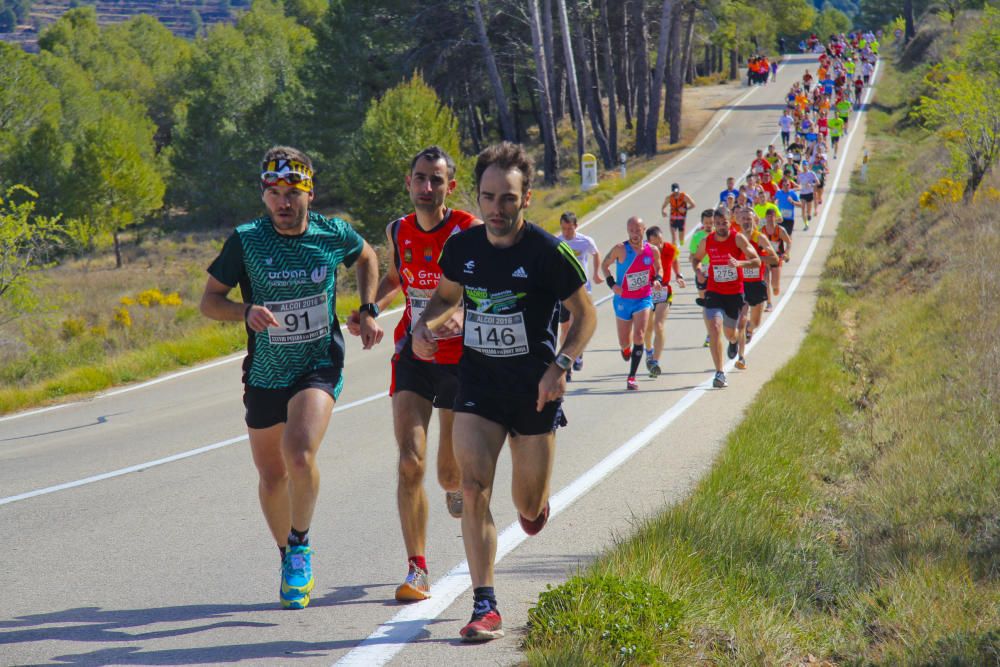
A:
x: 419, y: 385
x: 725, y: 309
x: 754, y: 285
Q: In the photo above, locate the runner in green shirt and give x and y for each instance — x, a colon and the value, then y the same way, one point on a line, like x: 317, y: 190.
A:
x: 836, y: 125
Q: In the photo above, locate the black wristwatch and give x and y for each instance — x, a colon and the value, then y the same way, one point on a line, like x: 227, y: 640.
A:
x: 370, y: 308
x: 564, y: 361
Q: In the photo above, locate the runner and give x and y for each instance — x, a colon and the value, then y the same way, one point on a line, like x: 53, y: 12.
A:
x: 512, y: 274
x: 286, y: 266
x: 837, y: 126
x: 637, y: 265
x: 787, y: 124
x: 588, y: 255
x: 662, y: 297
x: 843, y: 108
x: 754, y: 285
x: 724, y: 306
x: 420, y: 385
x: 678, y: 203
x: 808, y: 180
x: 697, y: 237
x: 759, y: 164
x: 781, y: 241
x: 730, y: 190
x: 787, y: 200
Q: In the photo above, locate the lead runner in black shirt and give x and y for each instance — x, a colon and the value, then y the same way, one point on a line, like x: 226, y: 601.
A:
x: 512, y: 275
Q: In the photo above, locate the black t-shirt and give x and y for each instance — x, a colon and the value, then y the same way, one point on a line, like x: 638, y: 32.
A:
x: 511, y: 299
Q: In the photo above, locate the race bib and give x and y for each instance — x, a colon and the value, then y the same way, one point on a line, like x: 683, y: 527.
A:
x: 418, y: 304
x: 752, y: 273
x: 724, y: 273
x: 496, y: 335
x: 299, y: 320
x: 636, y: 281
x: 659, y: 294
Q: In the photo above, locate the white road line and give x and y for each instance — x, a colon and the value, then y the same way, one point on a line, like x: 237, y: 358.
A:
x: 393, y: 636
x: 158, y: 462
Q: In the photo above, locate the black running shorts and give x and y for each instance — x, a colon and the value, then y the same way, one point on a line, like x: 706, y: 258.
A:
x: 678, y: 224
x: 268, y: 407
x: 437, y: 383
x: 755, y: 292
x: 730, y: 304
x: 515, y: 413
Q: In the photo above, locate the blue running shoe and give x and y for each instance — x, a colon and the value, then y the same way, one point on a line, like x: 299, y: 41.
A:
x: 296, y: 578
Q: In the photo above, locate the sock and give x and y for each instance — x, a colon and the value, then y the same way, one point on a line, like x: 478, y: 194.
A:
x: 636, y: 358
x: 298, y: 538
x: 649, y: 352
x: 484, y: 594
x: 419, y: 561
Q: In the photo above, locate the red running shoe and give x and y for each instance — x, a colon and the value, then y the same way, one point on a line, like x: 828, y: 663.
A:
x: 483, y: 627
x: 534, y: 526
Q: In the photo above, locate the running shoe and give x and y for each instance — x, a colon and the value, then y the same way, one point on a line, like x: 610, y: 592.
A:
x: 707, y: 342
x: 654, y: 369
x: 631, y: 384
x: 806, y: 227
x: 415, y: 587
x: 484, y: 625
x: 296, y: 577
x: 720, y: 380
x: 578, y: 363
x: 741, y: 364
x: 627, y: 353
x: 768, y: 307
x: 732, y: 350
x: 649, y: 361
x: 749, y: 335
x: 453, y: 499
x: 534, y: 526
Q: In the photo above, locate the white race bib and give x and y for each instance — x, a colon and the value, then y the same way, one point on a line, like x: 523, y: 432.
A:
x: 723, y: 273
x: 418, y: 304
x: 299, y: 320
x: 660, y: 295
x: 751, y: 273
x: 496, y: 335
x: 636, y: 281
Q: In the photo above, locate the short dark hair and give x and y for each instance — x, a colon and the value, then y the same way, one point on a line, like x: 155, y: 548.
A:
x: 653, y: 231
x: 433, y: 154
x: 507, y: 156
x: 707, y: 213
x: 568, y: 216
x: 286, y: 153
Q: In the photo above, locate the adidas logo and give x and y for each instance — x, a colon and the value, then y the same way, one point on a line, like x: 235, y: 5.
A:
x: 520, y: 273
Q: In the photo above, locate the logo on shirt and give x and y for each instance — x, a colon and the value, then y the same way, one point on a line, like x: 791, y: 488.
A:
x: 519, y: 272
x: 318, y: 275
x: 407, y: 255
x: 408, y: 274
x: 429, y: 254
x: 470, y: 266
x: 269, y: 261
x: 647, y: 260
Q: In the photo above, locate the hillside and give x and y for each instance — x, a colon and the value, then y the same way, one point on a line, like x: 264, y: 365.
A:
x: 177, y: 15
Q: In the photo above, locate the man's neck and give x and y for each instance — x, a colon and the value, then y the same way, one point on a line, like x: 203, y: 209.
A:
x: 510, y: 239
x: 428, y: 220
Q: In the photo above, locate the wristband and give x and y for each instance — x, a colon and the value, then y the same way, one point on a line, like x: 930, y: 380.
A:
x: 610, y: 281
x: 370, y: 308
x: 658, y: 279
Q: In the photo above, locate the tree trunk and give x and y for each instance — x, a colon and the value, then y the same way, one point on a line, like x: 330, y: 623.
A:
x: 656, y: 91
x: 675, y: 78
x: 551, y: 160
x: 734, y: 57
x: 574, y: 90
x: 118, y: 249
x: 515, y: 100
x: 591, y: 94
x: 641, y: 81
x: 503, y: 114
x: 555, y: 81
x: 609, y: 83
x: 688, y: 66
x: 625, y: 69
x: 908, y: 18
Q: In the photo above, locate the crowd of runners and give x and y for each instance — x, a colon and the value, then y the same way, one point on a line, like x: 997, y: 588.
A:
x: 498, y: 313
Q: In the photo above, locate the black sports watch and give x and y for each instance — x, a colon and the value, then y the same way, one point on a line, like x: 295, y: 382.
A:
x: 564, y: 361
x: 370, y: 308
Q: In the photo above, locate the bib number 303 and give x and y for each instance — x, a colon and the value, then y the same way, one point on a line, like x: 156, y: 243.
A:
x: 299, y: 320
x: 496, y: 335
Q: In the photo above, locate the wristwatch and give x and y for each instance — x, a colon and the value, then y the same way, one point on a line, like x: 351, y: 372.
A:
x: 564, y: 361
x: 370, y: 308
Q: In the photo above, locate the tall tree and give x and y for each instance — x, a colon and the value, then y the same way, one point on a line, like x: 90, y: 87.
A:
x: 592, y: 93
x: 653, y: 116
x: 503, y: 112
x: 675, y: 78
x: 574, y: 91
x: 609, y: 78
x: 548, y: 39
x: 551, y: 159
x: 640, y: 68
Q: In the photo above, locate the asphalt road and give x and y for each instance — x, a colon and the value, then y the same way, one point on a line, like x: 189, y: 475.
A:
x: 133, y: 534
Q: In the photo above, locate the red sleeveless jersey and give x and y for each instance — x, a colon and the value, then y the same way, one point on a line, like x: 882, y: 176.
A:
x: 723, y: 278
x: 417, y: 253
x: 754, y: 274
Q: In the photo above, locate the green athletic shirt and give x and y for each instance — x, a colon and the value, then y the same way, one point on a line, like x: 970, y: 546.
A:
x: 696, y: 240
x: 295, y: 278
x: 843, y: 108
x: 761, y: 210
x: 836, y: 125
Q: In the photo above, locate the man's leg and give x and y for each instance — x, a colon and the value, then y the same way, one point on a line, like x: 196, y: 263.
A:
x: 477, y: 445
x: 714, y: 325
x: 308, y: 416
x: 449, y: 476
x: 659, y: 319
x: 411, y: 414
x: 272, y: 486
x: 532, y: 457
x: 624, y: 330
